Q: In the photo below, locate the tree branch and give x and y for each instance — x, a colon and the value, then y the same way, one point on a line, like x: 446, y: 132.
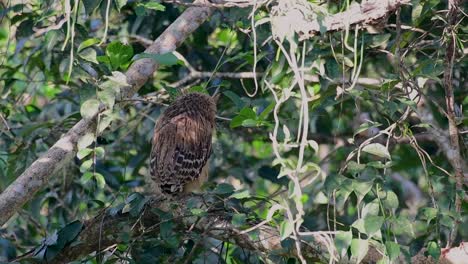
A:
x: 38, y: 174
x: 365, y: 13
x: 104, y: 231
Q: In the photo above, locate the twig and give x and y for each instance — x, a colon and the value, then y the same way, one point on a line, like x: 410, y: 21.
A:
x: 41, y: 31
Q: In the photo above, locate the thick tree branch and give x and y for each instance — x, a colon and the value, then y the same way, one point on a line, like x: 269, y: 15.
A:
x: 38, y: 174
x: 365, y: 13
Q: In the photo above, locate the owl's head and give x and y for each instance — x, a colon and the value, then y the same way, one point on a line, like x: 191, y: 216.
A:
x: 194, y: 104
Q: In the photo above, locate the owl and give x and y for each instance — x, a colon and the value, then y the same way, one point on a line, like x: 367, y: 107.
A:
x: 181, y: 145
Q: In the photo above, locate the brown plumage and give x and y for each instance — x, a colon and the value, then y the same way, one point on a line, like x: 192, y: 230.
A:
x: 182, y: 144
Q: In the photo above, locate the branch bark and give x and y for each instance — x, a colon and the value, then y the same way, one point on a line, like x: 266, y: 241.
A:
x: 38, y: 174
x: 365, y: 13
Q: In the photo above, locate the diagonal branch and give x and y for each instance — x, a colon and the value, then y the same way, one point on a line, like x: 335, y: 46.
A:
x: 38, y: 174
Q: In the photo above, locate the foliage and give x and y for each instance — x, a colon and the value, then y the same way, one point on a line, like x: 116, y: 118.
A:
x: 316, y: 147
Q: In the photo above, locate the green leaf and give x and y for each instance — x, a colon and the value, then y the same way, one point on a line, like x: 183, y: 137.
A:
x: 429, y: 213
x: 371, y: 208
x: 99, y: 151
x: 153, y: 6
x: 240, y: 194
x: 361, y: 188
x: 416, y: 11
x: 119, y: 54
x: 85, y: 140
x: 354, y: 167
x: 366, y: 126
x: 286, y: 229
x: 359, y: 248
x: 314, y: 145
x: 101, y: 182
x: 88, y: 43
x: 86, y: 177
x: 393, y: 250
x: 372, y: 224
x: 166, y: 228
x: 69, y: 233
x: 117, y: 78
x: 120, y: 4
x: 105, y: 121
x: 343, y: 241
x: 89, y: 108
x: 379, y: 40
x: 249, y: 123
x: 134, y: 204
x: 163, y: 59
x: 235, y: 99
x: 403, y: 226
x: 107, y: 97
x: 89, y: 55
x: 83, y: 153
x: 321, y: 198
x: 433, y: 249
x: 267, y: 111
x: 377, y: 149
x: 90, y: 5
x: 239, y: 220
x: 390, y: 200
x: 344, y: 60
x: 244, y: 114
x: 198, y: 212
x: 359, y: 225
x: 224, y: 188
x: 198, y: 89
x: 86, y: 165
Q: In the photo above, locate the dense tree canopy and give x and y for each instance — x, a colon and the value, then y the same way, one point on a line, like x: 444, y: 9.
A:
x: 340, y: 131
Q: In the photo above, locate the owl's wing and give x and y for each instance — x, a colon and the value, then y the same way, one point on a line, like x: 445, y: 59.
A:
x: 181, y: 147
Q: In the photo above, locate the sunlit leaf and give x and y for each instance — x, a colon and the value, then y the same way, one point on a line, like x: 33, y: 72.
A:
x: 85, y: 141
x: 87, y: 43
x: 89, y: 108
x: 393, y: 249
x: 153, y: 6
x: 83, y: 152
x: 286, y: 229
x: 343, y: 241
x: 119, y: 54
x: 433, y: 249
x: 377, y: 149
x: 359, y: 248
